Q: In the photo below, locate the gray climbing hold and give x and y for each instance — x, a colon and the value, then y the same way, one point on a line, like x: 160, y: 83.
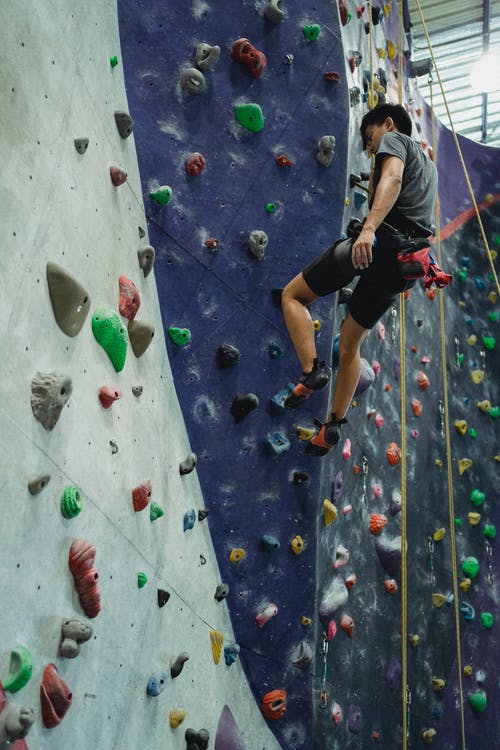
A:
x: 334, y: 597
x: 221, y: 592
x: 193, y: 80
x: 70, y: 301
x: 187, y: 466
x: 146, y: 257
x: 157, y: 684
x: 228, y: 355
x: 274, y: 12
x: 74, y: 631
x: 202, y: 514
x: 326, y: 150
x: 178, y: 664
x: 81, y: 144
x: 270, y: 542
x: 124, y: 123
x: 141, y: 335
x: 302, y: 656
x: 114, y: 447
x: 228, y: 735
x: 49, y: 394
x: 15, y: 723
x: 37, y: 484
x: 196, y: 740
x: 206, y: 55
x: 137, y: 390
x: 243, y: 405
x: 257, y: 243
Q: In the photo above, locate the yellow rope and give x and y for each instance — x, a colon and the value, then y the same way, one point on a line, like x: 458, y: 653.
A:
x: 371, y: 89
x: 449, y: 467
x: 459, y: 152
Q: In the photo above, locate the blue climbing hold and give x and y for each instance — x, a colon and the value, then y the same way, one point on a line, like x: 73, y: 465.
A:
x: 231, y: 652
x: 278, y: 442
x: 479, y: 282
x: 157, y: 684
x: 467, y: 610
x: 359, y: 200
x: 275, y: 350
x: 189, y: 519
x: 270, y: 542
x: 278, y: 400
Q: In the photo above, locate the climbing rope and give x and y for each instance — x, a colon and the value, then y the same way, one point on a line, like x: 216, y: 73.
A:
x: 459, y: 151
x: 371, y: 89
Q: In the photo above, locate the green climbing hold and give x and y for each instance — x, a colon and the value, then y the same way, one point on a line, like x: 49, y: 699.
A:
x: 470, y: 566
x: 311, y: 31
x: 497, y: 239
x: 270, y: 208
x: 20, y: 669
x: 71, y: 503
x: 113, y: 61
x: 489, y: 342
x: 487, y: 620
x: 477, y: 497
x: 477, y: 701
x: 180, y: 336
x: 460, y: 359
x: 462, y: 274
x: 155, y: 511
x: 250, y: 116
x: 494, y: 412
x: 458, y: 521
x: 111, y: 335
x: 163, y: 195
x: 489, y: 530
x: 493, y: 316
x: 472, y: 432
x: 142, y: 579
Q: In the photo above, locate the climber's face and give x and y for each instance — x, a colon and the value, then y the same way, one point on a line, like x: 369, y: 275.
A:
x: 374, y: 133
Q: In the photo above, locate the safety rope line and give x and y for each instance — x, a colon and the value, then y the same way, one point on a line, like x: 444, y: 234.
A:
x: 449, y: 467
x: 459, y: 151
x: 371, y: 88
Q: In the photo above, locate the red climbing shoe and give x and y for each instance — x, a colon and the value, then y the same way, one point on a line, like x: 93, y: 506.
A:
x: 308, y: 383
x: 326, y: 438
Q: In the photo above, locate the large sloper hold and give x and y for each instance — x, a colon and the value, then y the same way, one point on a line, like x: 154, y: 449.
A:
x: 70, y: 301
x: 49, y: 394
x: 228, y: 735
x: 111, y: 334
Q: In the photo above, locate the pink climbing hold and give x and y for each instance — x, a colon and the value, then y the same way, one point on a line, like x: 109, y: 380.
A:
x: 377, y: 491
x: 346, y: 450
x: 331, y: 630
x: 376, y: 367
x: 351, y: 581
x: 270, y: 611
x: 337, y: 714
x: 381, y: 331
x: 118, y: 176
x: 341, y: 557
x: 414, y: 434
x: 55, y: 697
x: 141, y: 496
x: 195, y: 163
x: 107, y: 396
x: 379, y: 420
x: 425, y: 360
x: 346, y: 509
x: 347, y: 625
x: 130, y: 299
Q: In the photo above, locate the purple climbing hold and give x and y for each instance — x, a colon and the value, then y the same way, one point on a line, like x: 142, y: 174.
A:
x: 389, y: 554
x: 393, y: 673
x: 337, y: 486
x: 354, y: 719
x: 228, y: 735
x: 397, y: 368
x: 243, y: 405
x: 366, y: 377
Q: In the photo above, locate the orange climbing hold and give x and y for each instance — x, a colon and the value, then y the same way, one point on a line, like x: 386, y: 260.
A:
x: 390, y: 586
x: 417, y: 407
x: 377, y: 522
x: 351, y: 581
x: 422, y: 380
x: 273, y: 704
x: 347, y: 625
x: 393, y: 454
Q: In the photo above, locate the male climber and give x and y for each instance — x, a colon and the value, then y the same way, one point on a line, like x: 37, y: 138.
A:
x: 404, y: 186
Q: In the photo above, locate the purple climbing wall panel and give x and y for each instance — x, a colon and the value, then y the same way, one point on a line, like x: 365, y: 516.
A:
x: 223, y: 295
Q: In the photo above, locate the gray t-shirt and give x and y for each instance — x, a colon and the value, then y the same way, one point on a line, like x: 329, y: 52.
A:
x: 415, y: 202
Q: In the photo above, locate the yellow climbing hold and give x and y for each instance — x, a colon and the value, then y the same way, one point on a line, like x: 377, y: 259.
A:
x: 496, y: 458
x: 465, y: 584
x: 439, y: 463
x: 387, y: 9
x: 464, y: 464
x: 493, y: 296
x: 438, y: 600
x: 176, y: 716
x: 472, y: 339
x: 347, y: 200
x: 428, y: 734
x: 306, y: 621
x: 381, y: 53
x: 489, y: 197
x: 216, y: 639
x: 297, y: 545
x: 477, y: 376
x: 237, y: 554
x: 461, y: 304
x: 329, y: 511
x: 316, y: 325
x: 438, y: 684
x: 414, y: 640
x: 372, y: 98
x: 304, y: 433
x: 493, y: 254
x: 468, y: 670
x: 392, y: 50
x: 461, y: 426
x: 439, y: 534
x: 474, y: 518
x: 484, y: 406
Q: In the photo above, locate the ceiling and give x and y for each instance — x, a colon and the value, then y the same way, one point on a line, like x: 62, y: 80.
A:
x: 456, y: 33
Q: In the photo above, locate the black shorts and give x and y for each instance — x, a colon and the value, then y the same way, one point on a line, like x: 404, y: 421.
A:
x: 378, y: 285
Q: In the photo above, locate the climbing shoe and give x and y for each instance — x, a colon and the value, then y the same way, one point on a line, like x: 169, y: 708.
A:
x: 308, y: 383
x: 326, y: 438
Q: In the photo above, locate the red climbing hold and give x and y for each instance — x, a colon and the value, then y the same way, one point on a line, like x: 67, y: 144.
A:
x: 195, y: 163
x: 331, y: 75
x: 347, y: 625
x: 283, y: 161
x: 331, y: 630
x: 274, y: 704
x: 377, y: 522
x: 344, y: 14
x: 107, y: 396
x: 360, y: 10
x: 417, y: 407
x: 118, y: 176
x: 55, y: 697
x: 141, y: 495
x: 393, y: 454
x: 130, y: 299
x: 390, y: 586
x: 81, y: 562
x: 254, y: 60
x: 212, y: 244
x: 351, y: 581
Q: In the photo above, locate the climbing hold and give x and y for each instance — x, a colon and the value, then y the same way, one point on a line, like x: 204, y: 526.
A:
x: 37, y: 484
x: 414, y: 639
x: 179, y: 336
x: 493, y: 316
x: 297, y: 545
x: 439, y: 534
x: 416, y: 406
x: 311, y: 31
x: 422, y: 380
x: 351, y: 581
x: 395, y: 503
x: 111, y: 335
x: 474, y: 518
x: 334, y: 597
x: 130, y: 299
x: 337, y: 715
x: 195, y: 163
x: 189, y: 519
x: 162, y: 597
x: 392, y: 50
x: 461, y: 426
x: 329, y: 512
x: 146, y: 256
x: 20, y: 669
x: 354, y: 719
x: 346, y: 450
x: 359, y: 199
x: 142, y: 579
x: 196, y: 740
x: 55, y: 697
x: 202, y: 514
x: 237, y: 554
x: 470, y: 566
x: 477, y: 701
x: 113, y: 61
x: 273, y: 704
x: 193, y: 80
x: 494, y: 412
x: 465, y: 584
x: 118, y: 176
x: 221, y: 592
x: 390, y: 585
x: 463, y: 465
x: 283, y: 161
x: 468, y: 670
x: 331, y: 630
x: 269, y: 611
x: 187, y: 466
x: 344, y: 13
x: 278, y: 442
x: 206, y: 55
x: 253, y: 59
x: 107, y: 396
x: 162, y: 195
x: 257, y: 243
x: 81, y: 562
x: 302, y: 656
x: 74, y: 632
x: 489, y: 530
x: 477, y: 376
x: 270, y: 542
x: 316, y: 326
x: 228, y: 355
x: 393, y: 673
x: 305, y: 621
x: 216, y: 639
x: 231, y: 652
x: 71, y: 503
x: 270, y: 208
x: 489, y: 342
x: 428, y: 735
x: 124, y: 123
x: 273, y: 11
x: 157, y: 684
x: 379, y: 421
x: 377, y: 523
x: 346, y: 509
x: 471, y: 340
x: 243, y: 405
x: 326, y: 150
x: 178, y: 664
x: 176, y: 716
x: 389, y: 553
x: 49, y: 394
x: 70, y: 301
x: 393, y: 454
x: 377, y: 491
x: 487, y: 620
x: 250, y: 116
x: 141, y: 335
x: 341, y: 557
x: 467, y: 610
x: 155, y: 511
x: 438, y: 600
x: 477, y: 497
x: 337, y: 486
x: 141, y: 496
x: 299, y: 477
x: 304, y: 433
